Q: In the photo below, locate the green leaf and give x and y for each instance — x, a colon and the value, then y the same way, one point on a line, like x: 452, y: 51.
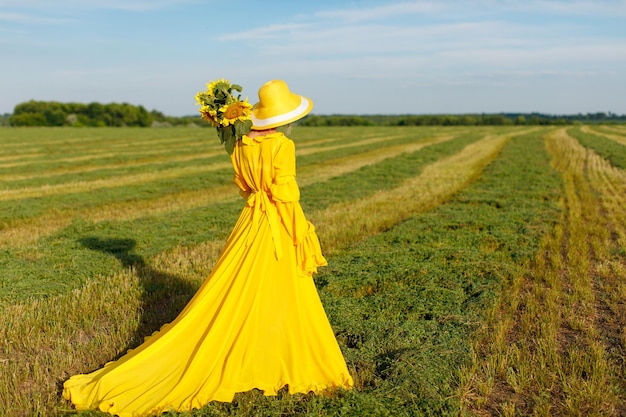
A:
x: 242, y: 128
x: 227, y: 134
x: 229, y: 145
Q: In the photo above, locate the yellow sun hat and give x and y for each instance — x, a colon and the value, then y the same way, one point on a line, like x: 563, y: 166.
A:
x: 278, y: 106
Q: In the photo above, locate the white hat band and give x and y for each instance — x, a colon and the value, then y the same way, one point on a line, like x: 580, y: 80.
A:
x: 304, y: 105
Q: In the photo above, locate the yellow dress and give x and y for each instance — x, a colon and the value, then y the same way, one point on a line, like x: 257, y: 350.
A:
x: 256, y: 321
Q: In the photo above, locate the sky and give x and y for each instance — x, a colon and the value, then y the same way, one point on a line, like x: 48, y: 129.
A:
x: 349, y: 56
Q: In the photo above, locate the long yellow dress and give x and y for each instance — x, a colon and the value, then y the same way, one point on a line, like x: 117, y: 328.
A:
x: 256, y: 321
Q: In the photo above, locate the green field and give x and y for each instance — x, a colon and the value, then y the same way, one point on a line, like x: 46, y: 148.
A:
x: 472, y: 270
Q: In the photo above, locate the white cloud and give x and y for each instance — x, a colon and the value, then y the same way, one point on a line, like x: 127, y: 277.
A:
x: 583, y: 8
x: 266, y: 32
x: 13, y: 17
x: 402, y: 46
x: 603, y: 55
x: 129, y: 5
x: 383, y: 12
x: 464, y: 9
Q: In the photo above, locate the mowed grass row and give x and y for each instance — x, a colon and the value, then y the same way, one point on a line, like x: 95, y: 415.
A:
x: 46, y: 255
x: 620, y: 129
x: 70, y: 163
x: 155, y: 289
x: 556, y: 344
x: 28, y: 230
x: 609, y: 146
x: 142, y: 181
x: 408, y: 300
x: 403, y: 302
x: 33, y: 196
x: 90, y: 149
x: 617, y: 134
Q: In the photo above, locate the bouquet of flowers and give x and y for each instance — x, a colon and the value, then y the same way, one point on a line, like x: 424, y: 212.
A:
x: 230, y: 115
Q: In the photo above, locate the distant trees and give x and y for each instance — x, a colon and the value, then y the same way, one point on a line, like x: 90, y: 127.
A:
x: 411, y: 120
x: 4, y: 119
x: 485, y: 119
x: 52, y: 113
x: 337, y: 120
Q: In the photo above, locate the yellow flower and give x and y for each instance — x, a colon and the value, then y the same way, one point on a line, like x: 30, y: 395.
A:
x: 209, y: 115
x: 223, y: 109
x: 239, y: 110
x: 210, y: 87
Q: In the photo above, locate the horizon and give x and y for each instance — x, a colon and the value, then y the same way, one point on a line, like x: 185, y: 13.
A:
x: 551, y: 115
x: 351, y: 57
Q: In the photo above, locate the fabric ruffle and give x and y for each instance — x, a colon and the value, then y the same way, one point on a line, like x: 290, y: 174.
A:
x: 309, y: 252
x: 224, y: 395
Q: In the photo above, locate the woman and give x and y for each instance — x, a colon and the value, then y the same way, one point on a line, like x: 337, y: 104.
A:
x: 257, y: 320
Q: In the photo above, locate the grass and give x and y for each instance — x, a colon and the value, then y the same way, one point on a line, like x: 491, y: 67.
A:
x: 432, y: 235
x: 156, y: 226
x: 29, y: 229
x: 609, y: 146
x: 553, y: 346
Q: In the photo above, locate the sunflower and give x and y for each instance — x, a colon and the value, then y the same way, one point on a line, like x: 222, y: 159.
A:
x: 239, y: 110
x: 209, y: 115
x: 201, y: 98
x: 228, y: 113
x: 213, y: 85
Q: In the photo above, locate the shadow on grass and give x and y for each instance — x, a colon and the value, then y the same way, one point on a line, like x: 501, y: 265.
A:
x: 164, y: 295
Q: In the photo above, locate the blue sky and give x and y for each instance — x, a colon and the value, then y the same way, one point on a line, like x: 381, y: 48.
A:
x: 349, y: 56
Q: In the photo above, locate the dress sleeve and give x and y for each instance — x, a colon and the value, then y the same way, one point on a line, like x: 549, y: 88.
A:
x: 284, y: 188
x: 244, y: 190
x: 286, y: 194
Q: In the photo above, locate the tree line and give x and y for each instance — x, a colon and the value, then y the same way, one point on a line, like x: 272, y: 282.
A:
x: 52, y: 113
x: 461, y: 119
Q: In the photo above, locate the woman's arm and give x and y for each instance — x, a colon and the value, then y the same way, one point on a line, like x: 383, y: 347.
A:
x: 286, y: 194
